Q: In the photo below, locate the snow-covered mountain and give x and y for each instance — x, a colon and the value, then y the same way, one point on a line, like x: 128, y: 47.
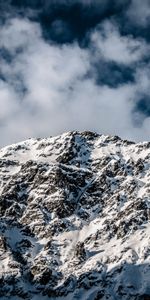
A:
x: 75, y: 219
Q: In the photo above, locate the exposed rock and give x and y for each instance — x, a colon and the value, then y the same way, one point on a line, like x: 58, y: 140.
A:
x: 74, y: 218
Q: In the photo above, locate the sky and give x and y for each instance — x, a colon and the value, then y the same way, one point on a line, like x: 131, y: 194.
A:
x: 74, y: 65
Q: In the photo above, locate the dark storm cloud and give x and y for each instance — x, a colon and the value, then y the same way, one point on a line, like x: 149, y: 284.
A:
x: 143, y: 105
x: 66, y: 20
x: 74, y: 64
x: 112, y: 74
x: 79, y: 17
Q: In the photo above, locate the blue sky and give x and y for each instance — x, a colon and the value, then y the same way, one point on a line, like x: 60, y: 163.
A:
x: 74, y: 65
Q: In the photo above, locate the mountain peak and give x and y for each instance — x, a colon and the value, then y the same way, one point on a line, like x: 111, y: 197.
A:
x: 75, y: 212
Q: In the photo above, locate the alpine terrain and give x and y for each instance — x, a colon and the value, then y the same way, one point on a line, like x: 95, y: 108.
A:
x: 75, y: 219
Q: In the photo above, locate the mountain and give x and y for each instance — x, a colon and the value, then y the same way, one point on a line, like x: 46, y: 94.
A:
x: 75, y: 219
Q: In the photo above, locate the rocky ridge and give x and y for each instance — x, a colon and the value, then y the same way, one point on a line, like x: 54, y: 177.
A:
x: 75, y: 218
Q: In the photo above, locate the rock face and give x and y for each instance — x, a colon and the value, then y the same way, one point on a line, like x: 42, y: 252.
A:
x: 75, y: 219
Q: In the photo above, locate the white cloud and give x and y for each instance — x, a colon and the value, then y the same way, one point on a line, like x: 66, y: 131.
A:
x: 9, y: 103
x: 47, y: 90
x: 18, y: 33
x: 114, y: 47
x: 143, y: 78
x: 139, y: 12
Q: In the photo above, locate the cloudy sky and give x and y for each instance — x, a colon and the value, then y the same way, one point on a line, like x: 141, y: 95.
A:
x: 74, y: 65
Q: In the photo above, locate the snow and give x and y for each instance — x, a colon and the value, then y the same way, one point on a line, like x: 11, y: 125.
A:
x: 106, y: 250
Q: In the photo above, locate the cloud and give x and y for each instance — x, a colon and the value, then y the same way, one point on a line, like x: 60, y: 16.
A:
x: 18, y: 33
x: 73, y: 18
x: 9, y: 104
x: 48, y: 88
x: 120, y: 49
x: 111, y: 73
x: 139, y: 13
x: 142, y: 96
x: 45, y: 72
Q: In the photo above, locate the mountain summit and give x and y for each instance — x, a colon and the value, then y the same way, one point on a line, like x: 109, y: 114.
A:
x: 75, y: 219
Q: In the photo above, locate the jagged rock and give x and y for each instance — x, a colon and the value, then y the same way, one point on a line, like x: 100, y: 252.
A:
x: 80, y: 252
x: 3, y: 244
x: 74, y: 218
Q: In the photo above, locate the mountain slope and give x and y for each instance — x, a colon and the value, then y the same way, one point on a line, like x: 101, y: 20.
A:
x: 75, y: 212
